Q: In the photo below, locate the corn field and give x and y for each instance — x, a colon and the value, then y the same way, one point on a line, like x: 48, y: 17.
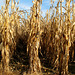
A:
x: 37, y: 45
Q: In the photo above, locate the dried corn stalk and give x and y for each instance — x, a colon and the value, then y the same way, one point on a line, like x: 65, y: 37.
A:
x: 34, y: 39
x: 5, y: 39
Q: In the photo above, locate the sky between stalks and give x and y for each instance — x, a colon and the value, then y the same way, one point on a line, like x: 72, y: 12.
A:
x: 27, y: 4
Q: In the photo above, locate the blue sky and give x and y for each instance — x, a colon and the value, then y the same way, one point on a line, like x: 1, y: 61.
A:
x: 26, y: 4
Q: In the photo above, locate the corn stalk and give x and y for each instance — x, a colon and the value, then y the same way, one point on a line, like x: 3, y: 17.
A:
x: 34, y: 38
x: 5, y: 39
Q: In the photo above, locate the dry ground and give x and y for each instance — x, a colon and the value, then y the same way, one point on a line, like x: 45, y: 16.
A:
x: 20, y: 70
